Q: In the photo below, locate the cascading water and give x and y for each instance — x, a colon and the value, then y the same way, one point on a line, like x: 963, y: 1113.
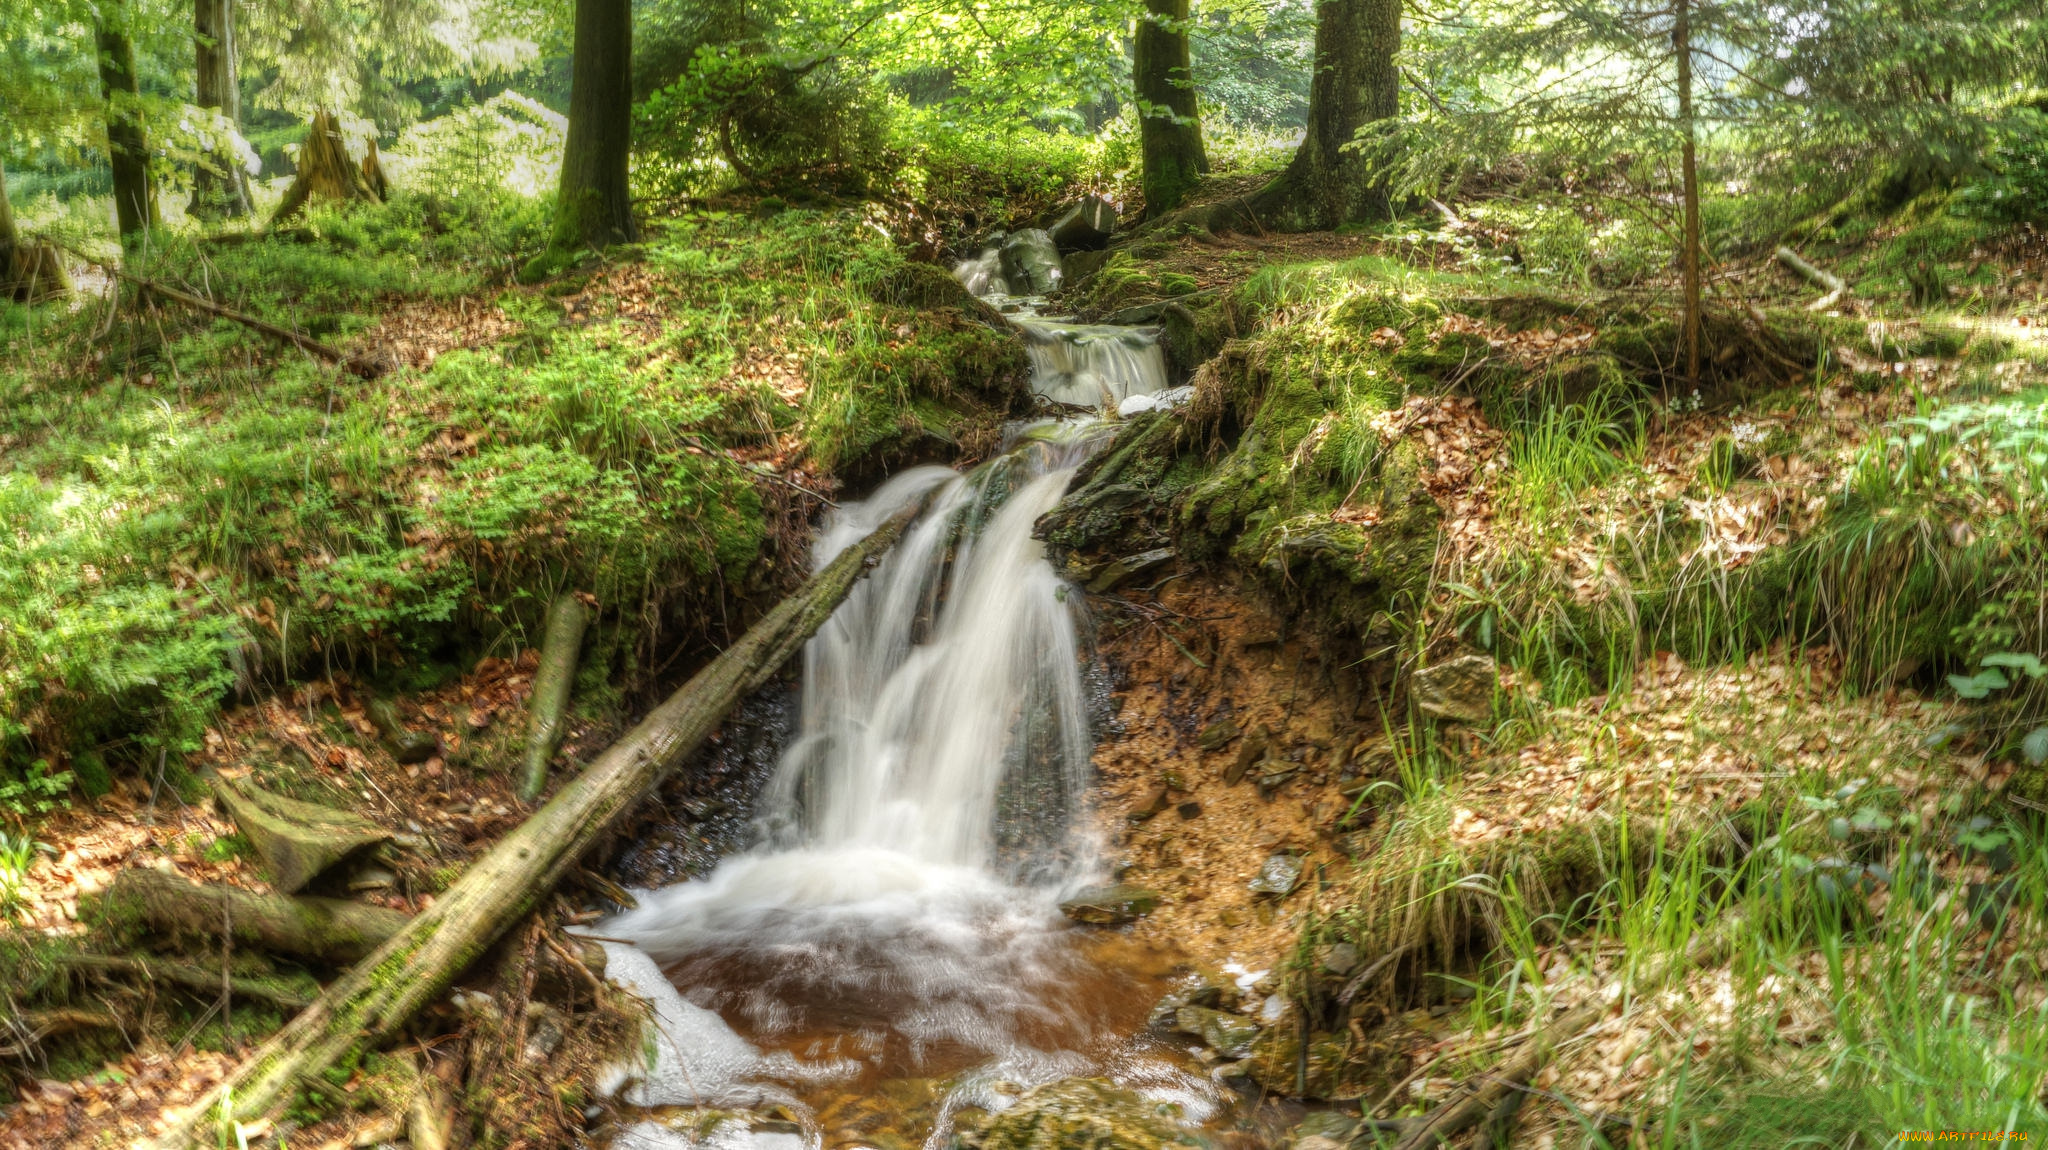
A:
x: 890, y: 925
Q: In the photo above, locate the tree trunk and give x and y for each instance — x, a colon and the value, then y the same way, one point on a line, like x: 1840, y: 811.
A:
x: 416, y: 966
x: 1356, y: 82
x: 1689, y: 258
x: 335, y: 930
x: 1169, y: 123
x: 135, y: 209
x: 220, y: 187
x: 595, y: 208
x: 29, y: 273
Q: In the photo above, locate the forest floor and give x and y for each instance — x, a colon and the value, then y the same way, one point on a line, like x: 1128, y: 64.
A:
x: 1822, y: 784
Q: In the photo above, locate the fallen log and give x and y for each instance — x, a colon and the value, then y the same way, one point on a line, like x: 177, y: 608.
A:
x: 297, y: 841
x: 1824, y: 280
x: 567, y: 619
x: 30, y: 1027
x: 330, y: 930
x: 411, y: 971
x: 1494, y: 1093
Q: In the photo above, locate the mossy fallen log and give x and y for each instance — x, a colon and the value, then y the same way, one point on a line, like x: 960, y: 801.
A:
x: 332, y: 930
x: 411, y: 971
x: 567, y: 620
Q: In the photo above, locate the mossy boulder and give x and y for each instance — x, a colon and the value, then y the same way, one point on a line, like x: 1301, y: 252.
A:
x: 1080, y: 1114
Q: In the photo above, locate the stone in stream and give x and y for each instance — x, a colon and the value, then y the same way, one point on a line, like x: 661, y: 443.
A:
x: 1110, y: 905
x: 1086, y: 225
x: 1460, y: 690
x: 1031, y: 262
x: 1229, y: 1035
x: 1279, y: 875
x: 1078, y: 1114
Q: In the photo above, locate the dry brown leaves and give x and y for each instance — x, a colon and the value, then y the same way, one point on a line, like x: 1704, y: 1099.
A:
x: 419, y: 332
x: 124, y: 1103
x: 1532, y: 347
x: 1703, y: 739
x: 1460, y: 451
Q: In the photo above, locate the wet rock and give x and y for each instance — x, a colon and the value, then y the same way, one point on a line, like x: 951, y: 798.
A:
x: 1080, y: 1114
x: 1086, y: 225
x: 1277, y: 1063
x: 1119, y: 570
x: 1217, y: 735
x: 1251, y: 750
x: 1152, y: 802
x: 1110, y: 905
x: 1031, y: 262
x: 370, y: 878
x: 1279, y: 875
x: 1460, y: 690
x: 1189, y: 810
x: 1229, y: 1035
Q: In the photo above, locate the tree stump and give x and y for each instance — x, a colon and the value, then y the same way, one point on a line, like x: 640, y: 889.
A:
x: 297, y: 841
x: 325, y: 169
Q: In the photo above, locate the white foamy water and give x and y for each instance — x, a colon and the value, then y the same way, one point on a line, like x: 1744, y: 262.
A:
x: 899, y: 917
x: 1093, y: 365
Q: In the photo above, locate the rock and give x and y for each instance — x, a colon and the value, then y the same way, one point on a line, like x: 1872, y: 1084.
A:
x: 1341, y: 959
x: 1119, y: 570
x: 406, y: 745
x: 371, y: 877
x: 1078, y: 266
x: 1275, y: 774
x: 1248, y: 752
x: 1080, y: 1114
x: 1195, y: 990
x: 1085, y: 226
x: 1151, y: 804
x: 1110, y: 905
x: 1217, y: 735
x: 1279, y: 876
x: 1458, y: 691
x: 1031, y: 262
x: 1229, y: 1035
x: 1189, y: 810
x: 543, y: 1032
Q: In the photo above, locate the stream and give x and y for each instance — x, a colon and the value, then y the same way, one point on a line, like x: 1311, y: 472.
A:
x: 889, y: 955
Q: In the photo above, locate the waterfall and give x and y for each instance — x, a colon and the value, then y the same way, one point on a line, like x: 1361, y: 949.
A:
x: 896, y: 919
x: 1092, y: 365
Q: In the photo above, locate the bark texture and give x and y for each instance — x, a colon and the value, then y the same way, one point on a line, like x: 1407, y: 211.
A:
x: 135, y: 210
x: 567, y: 619
x: 220, y: 188
x: 1689, y: 258
x: 1169, y: 122
x: 325, y: 169
x: 330, y: 930
x: 1356, y: 82
x: 412, y: 970
x: 595, y: 207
